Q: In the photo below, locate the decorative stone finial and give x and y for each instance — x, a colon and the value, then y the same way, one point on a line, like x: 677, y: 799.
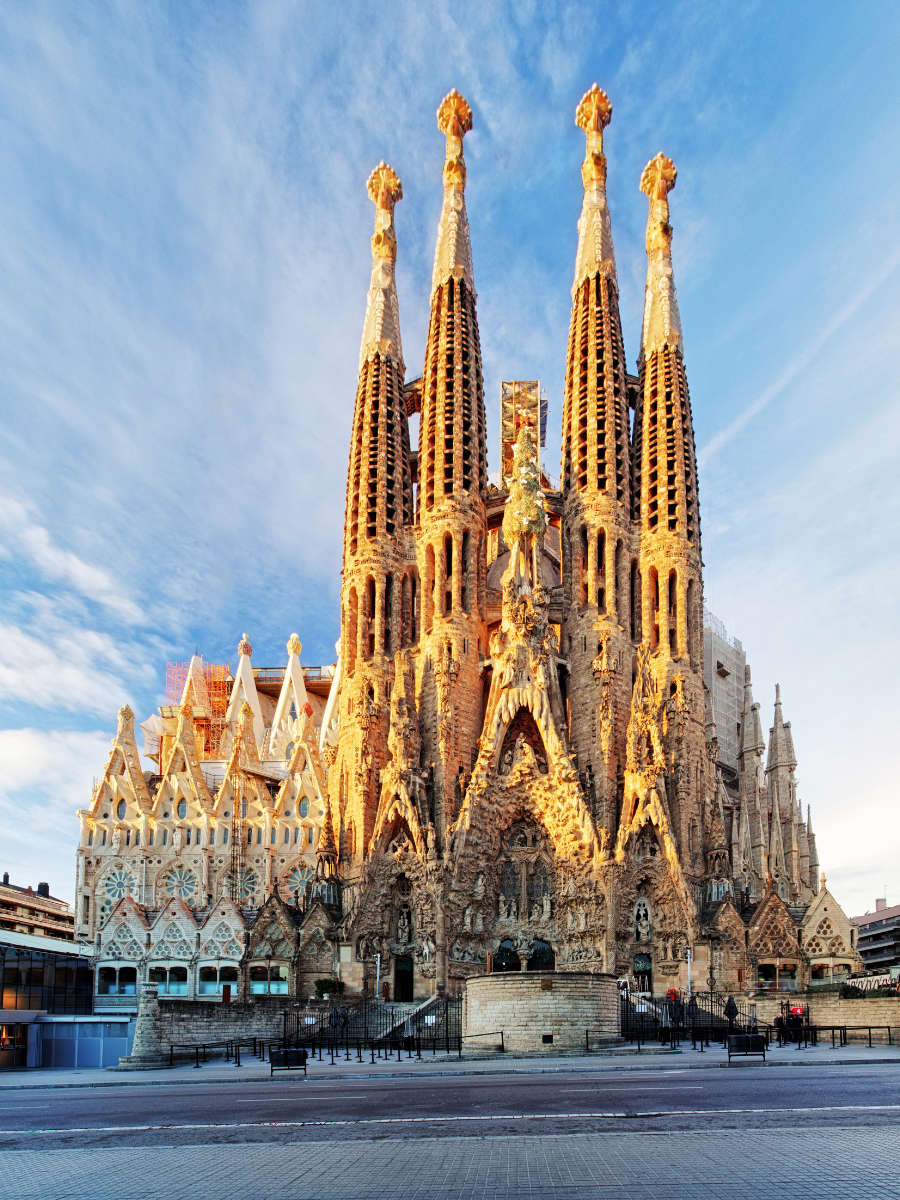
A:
x: 244, y: 646
x: 595, y: 247
x: 454, y: 116
x: 384, y: 189
x: 657, y: 181
x: 454, y: 121
x: 294, y: 646
x: 593, y: 115
x: 125, y: 716
x: 453, y: 252
x: 662, y: 322
x: 822, y: 882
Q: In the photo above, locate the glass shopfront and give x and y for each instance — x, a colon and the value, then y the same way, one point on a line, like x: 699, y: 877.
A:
x: 45, y: 981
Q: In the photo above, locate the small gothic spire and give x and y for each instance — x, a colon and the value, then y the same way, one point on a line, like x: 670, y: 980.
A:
x: 381, y: 328
x: 662, y: 323
x: 595, y: 245
x: 453, y: 252
x: 326, y: 851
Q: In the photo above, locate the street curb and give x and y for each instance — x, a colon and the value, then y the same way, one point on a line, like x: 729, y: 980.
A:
x: 357, y: 1077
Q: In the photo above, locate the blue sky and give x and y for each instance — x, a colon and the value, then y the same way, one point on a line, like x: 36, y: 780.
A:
x: 184, y: 257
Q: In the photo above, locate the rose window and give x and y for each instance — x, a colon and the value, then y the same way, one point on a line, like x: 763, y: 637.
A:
x: 248, y: 882
x: 118, y: 884
x: 181, y: 883
x: 298, y: 879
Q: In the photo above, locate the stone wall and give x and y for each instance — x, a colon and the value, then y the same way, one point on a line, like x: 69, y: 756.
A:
x: 829, y: 1009
x: 210, y: 1021
x: 528, y: 1006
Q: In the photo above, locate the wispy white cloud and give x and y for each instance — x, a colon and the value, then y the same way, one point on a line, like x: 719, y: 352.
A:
x: 58, y: 565
x: 803, y: 359
x: 44, y: 777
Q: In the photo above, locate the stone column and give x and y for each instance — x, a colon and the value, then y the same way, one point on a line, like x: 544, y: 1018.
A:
x: 148, y: 1052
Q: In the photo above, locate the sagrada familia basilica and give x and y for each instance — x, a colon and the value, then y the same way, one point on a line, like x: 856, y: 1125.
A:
x: 514, y: 763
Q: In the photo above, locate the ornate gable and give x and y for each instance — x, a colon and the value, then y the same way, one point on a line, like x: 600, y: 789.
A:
x: 273, y: 933
x: 773, y: 931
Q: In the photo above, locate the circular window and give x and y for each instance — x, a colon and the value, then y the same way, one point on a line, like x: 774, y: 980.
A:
x: 118, y: 884
x: 121, y: 809
x: 182, y: 808
x: 248, y: 882
x: 181, y: 883
x: 298, y: 879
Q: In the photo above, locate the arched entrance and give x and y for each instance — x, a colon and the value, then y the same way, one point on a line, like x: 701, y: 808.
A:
x: 542, y: 956
x: 505, y: 957
x: 403, y: 978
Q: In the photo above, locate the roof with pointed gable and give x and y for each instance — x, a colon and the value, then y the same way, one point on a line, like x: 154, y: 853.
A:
x: 244, y: 689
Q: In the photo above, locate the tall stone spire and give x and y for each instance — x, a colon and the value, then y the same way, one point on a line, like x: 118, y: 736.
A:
x: 379, y: 490
x: 379, y: 577
x: 664, y: 459
x: 596, y: 482
x: 452, y: 452
x: 781, y: 762
x: 665, y: 469
x: 452, y: 468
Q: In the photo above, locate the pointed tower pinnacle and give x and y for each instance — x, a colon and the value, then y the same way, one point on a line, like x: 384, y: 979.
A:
x: 752, y: 744
x: 453, y: 252
x: 381, y: 329
x: 662, y: 323
x: 595, y: 247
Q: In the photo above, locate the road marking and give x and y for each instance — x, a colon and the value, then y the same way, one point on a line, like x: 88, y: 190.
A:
x: 674, y: 1112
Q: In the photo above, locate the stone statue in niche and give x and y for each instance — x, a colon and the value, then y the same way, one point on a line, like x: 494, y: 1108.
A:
x: 478, y: 888
x: 478, y: 925
x: 117, y: 841
x: 536, y: 910
x: 403, y: 926
x: 582, y: 919
x: 545, y: 909
x: 177, y: 836
x: 467, y: 919
x: 641, y: 922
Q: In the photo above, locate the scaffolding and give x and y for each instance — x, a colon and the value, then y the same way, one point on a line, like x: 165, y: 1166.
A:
x: 210, y: 687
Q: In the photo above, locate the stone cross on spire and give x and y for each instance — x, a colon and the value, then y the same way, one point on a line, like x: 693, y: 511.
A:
x: 595, y: 246
x: 453, y: 252
x: 662, y: 323
x: 381, y: 329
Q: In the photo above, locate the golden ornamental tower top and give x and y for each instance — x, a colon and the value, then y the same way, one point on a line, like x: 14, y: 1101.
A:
x: 595, y: 246
x: 453, y: 252
x: 381, y: 328
x: 662, y: 322
x: 454, y: 117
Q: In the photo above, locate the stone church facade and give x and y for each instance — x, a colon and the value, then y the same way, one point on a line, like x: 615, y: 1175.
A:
x: 514, y: 763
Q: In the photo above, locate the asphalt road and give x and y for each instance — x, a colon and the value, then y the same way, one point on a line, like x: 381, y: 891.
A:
x: 289, y: 1111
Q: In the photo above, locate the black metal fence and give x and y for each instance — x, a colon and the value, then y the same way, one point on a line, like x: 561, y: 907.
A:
x: 378, y: 1029
x: 700, y: 1018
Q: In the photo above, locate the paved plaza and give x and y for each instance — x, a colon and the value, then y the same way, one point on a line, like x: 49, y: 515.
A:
x: 659, y: 1127
x: 828, y: 1163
